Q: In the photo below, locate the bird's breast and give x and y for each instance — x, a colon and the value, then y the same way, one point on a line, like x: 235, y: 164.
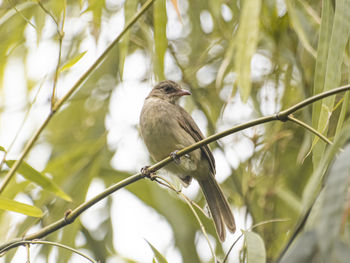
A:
x: 160, y: 129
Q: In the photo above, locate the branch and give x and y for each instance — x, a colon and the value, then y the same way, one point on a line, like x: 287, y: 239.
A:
x: 308, y: 127
x: 60, y: 102
x: 190, y: 203
x: 24, y: 242
x: 72, y: 215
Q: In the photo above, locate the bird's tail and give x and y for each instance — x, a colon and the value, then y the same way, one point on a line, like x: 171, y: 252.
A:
x: 218, y: 206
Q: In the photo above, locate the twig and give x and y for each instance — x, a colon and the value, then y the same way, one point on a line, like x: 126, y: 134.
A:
x: 250, y: 229
x: 27, y: 243
x: 72, y: 215
x: 308, y: 127
x: 20, y: 128
x: 190, y: 204
x: 60, y: 102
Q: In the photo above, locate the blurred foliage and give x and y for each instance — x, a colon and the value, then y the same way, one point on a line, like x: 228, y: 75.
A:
x: 270, y: 53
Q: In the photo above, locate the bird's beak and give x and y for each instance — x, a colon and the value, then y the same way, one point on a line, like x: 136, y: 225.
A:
x: 183, y: 92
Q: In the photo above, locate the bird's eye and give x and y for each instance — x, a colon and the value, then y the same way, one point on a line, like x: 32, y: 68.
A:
x: 168, y: 89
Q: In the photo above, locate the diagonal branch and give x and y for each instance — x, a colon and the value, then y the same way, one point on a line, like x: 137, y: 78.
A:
x: 60, y: 102
x: 70, y: 216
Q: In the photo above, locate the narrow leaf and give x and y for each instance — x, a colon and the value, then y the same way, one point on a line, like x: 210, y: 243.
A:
x: 329, y: 221
x: 341, y: 252
x: 322, y: 55
x: 159, y: 257
x: 303, y: 249
x: 2, y: 149
x: 176, y: 6
x: 339, y: 38
x: 72, y: 62
x: 255, y: 247
x: 130, y: 7
x: 38, y: 178
x: 160, y: 40
x: 313, y: 185
x: 14, y: 206
x: 247, y: 39
x: 298, y: 27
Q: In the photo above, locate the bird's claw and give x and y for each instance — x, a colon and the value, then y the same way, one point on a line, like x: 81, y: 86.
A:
x: 174, y: 156
x: 147, y: 173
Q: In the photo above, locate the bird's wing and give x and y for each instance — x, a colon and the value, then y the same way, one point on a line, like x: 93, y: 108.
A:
x: 187, y: 123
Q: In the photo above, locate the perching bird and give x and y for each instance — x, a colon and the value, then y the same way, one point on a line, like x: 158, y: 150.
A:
x: 166, y: 127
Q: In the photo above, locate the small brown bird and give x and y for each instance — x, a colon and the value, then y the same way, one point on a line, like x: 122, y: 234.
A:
x: 166, y: 127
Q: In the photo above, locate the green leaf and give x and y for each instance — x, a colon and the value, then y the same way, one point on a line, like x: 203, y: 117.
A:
x: 313, y: 185
x: 160, y: 40
x: 247, y: 39
x: 255, y: 247
x: 130, y: 8
x: 339, y: 38
x: 297, y: 25
x: 344, y: 109
x: 2, y: 149
x: 289, y: 198
x: 341, y: 252
x: 330, y: 218
x: 322, y: 54
x: 158, y: 256
x: 14, y: 206
x: 303, y: 249
x: 72, y: 62
x: 38, y: 178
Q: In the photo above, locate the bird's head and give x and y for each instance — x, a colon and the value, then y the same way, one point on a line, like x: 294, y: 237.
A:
x: 168, y: 90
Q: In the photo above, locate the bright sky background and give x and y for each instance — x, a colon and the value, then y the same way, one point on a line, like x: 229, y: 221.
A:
x: 134, y: 222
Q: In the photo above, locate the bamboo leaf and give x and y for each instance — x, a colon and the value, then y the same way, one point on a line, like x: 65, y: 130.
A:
x: 303, y: 250
x: 14, y: 206
x: 72, y: 62
x: 322, y: 54
x: 255, y: 247
x: 160, y: 40
x: 313, y: 185
x: 130, y: 8
x: 38, y: 178
x: 158, y: 256
x: 298, y: 27
x: 338, y: 40
x: 247, y: 40
x: 329, y: 220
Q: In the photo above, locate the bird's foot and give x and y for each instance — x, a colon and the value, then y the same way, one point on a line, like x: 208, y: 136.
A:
x: 147, y: 173
x: 174, y: 156
x: 66, y: 214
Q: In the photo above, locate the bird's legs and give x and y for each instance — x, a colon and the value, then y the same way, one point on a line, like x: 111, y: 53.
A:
x: 174, y: 156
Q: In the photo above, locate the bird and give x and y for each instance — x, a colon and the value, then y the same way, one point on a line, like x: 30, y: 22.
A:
x: 166, y: 127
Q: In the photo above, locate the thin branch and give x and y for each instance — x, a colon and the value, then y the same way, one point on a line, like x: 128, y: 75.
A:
x: 21, y: 14
x: 27, y: 242
x: 250, y: 229
x: 59, y: 103
x: 72, y: 215
x: 231, y: 247
x: 20, y: 127
x: 308, y: 127
x: 190, y: 204
x: 283, y: 114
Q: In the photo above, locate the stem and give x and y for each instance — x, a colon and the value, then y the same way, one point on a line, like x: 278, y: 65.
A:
x: 72, y: 215
x: 59, y: 103
x: 283, y: 114
x: 190, y: 203
x: 303, y: 124
x: 22, y: 242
